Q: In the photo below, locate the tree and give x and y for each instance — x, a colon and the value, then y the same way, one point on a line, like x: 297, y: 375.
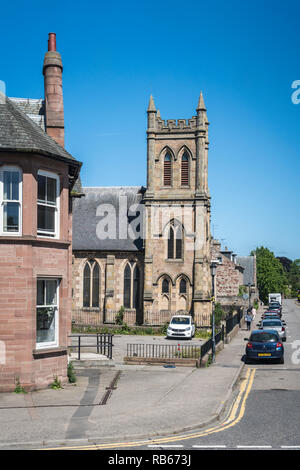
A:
x: 286, y: 263
x: 292, y: 269
x: 271, y: 276
x: 294, y: 277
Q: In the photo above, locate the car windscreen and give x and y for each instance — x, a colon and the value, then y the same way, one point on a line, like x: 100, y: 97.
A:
x: 263, y: 337
x: 180, y: 321
x: 271, y: 323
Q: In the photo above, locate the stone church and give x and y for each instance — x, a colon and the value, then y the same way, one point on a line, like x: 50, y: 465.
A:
x: 147, y: 249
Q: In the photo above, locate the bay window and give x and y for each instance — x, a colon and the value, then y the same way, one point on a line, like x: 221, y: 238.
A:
x: 48, y: 204
x: 10, y: 201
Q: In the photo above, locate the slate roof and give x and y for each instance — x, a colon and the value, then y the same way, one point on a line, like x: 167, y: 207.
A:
x: 20, y: 133
x: 101, y: 219
x: 33, y: 108
x: 247, y: 262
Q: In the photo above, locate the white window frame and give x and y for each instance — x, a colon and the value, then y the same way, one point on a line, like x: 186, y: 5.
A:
x: 55, y: 234
x: 2, y: 201
x: 55, y: 343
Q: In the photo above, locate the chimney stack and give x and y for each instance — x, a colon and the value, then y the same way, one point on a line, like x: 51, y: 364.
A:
x: 54, y: 105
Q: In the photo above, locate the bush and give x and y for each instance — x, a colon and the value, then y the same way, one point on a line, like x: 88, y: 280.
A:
x: 19, y: 388
x: 71, y: 373
x: 56, y: 384
x: 120, y: 316
x: 220, y: 314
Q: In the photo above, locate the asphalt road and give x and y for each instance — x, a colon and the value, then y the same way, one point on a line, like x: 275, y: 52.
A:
x: 267, y: 413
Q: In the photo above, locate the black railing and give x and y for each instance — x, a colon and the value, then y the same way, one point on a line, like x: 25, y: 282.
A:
x: 103, y: 343
x: 173, y: 351
x: 164, y: 351
x: 232, y: 321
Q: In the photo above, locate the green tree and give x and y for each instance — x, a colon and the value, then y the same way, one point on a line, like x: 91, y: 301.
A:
x: 271, y: 276
x: 294, y: 277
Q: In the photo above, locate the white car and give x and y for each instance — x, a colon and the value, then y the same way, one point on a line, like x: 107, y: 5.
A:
x: 181, y: 326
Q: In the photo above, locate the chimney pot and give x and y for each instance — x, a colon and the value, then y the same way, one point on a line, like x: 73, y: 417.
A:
x: 52, y: 42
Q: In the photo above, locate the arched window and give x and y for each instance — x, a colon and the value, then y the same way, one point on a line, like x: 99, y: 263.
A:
x: 171, y: 243
x: 168, y: 170
x: 136, y: 288
x: 182, y: 286
x: 165, y: 286
x: 91, y: 283
x: 179, y: 242
x: 185, y: 169
x: 127, y: 287
x: 175, y: 241
x: 132, y: 284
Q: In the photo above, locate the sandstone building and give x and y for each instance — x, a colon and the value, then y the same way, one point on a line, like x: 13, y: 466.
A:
x: 36, y: 179
x: 148, y: 248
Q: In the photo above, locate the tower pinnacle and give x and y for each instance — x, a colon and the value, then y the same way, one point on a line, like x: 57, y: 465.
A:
x: 201, y: 105
x: 151, y: 106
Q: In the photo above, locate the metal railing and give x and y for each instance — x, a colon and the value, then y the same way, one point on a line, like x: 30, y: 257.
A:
x: 97, y: 317
x: 232, y: 321
x: 164, y: 351
x: 173, y: 351
x: 103, y: 343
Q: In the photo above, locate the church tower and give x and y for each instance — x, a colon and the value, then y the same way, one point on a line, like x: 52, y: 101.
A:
x: 177, y: 208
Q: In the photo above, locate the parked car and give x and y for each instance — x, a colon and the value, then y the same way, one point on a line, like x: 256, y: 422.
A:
x: 274, y: 324
x: 181, y: 326
x: 270, y: 315
x: 264, y: 344
x: 274, y: 310
x: 275, y: 306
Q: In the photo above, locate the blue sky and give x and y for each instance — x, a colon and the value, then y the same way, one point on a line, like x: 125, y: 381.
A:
x: 243, y: 55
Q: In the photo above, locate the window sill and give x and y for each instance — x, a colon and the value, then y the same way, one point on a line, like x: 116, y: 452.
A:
x: 175, y: 260
x: 50, y: 352
x: 33, y: 239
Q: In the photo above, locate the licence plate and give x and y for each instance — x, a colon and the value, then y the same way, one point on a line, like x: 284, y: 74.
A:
x: 264, y: 354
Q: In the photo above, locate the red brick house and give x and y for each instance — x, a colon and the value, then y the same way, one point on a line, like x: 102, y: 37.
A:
x: 37, y: 178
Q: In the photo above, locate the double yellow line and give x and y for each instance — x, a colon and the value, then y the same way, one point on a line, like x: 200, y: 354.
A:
x: 234, y: 415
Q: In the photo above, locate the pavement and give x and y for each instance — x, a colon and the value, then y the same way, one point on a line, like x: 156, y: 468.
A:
x: 118, y: 401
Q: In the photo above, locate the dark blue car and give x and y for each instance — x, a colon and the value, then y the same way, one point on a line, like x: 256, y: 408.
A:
x: 264, y: 344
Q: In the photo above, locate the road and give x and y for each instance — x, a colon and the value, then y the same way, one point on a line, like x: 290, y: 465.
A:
x: 271, y: 416
x: 264, y: 412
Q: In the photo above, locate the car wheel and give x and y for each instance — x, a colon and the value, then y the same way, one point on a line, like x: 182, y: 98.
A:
x: 281, y: 360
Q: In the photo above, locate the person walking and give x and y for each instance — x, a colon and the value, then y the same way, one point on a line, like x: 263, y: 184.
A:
x: 253, y: 312
x: 248, y: 319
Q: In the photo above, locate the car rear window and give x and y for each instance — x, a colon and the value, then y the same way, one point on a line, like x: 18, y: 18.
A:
x: 263, y: 337
x: 272, y: 323
x: 180, y: 321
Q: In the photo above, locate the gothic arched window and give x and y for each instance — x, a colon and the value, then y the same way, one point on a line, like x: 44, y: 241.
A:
x: 175, y: 241
x: 168, y: 170
x: 171, y: 243
x: 132, y: 286
x: 182, y: 286
x: 165, y: 286
x: 127, y: 287
x: 185, y: 169
x: 136, y: 288
x: 91, y: 283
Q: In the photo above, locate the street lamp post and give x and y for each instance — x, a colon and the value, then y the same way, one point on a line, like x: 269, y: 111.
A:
x: 249, y: 285
x: 213, y: 268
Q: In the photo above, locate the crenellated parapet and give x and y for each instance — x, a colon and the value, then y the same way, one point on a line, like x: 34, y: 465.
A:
x: 176, y: 124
